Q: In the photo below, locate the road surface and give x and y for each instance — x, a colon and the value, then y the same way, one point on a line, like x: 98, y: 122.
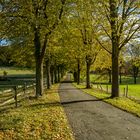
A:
x: 92, y: 119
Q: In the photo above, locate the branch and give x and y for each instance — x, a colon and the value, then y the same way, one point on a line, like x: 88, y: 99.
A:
x: 126, y: 40
x: 106, y: 13
x: 103, y: 46
x: 129, y: 10
x: 106, y: 31
x: 45, y: 2
x: 95, y: 56
x: 59, y: 18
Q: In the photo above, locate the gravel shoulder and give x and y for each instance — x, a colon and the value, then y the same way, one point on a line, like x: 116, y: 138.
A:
x: 92, y: 119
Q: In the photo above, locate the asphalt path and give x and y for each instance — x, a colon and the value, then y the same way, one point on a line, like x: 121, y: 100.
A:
x: 93, y: 119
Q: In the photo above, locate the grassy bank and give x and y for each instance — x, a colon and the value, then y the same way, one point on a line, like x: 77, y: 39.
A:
x: 42, y: 119
x: 121, y: 102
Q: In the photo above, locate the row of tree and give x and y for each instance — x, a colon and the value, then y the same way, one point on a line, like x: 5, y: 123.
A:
x: 74, y: 35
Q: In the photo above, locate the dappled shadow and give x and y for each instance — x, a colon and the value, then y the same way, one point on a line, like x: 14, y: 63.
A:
x: 80, y: 101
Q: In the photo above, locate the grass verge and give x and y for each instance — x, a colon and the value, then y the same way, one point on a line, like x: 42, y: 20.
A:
x: 42, y: 119
x: 121, y: 102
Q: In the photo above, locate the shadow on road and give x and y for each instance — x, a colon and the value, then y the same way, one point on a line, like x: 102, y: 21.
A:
x: 80, y: 101
x: 66, y: 89
x: 67, y: 81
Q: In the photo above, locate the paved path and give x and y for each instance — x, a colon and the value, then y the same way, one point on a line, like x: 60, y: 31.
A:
x: 92, y: 119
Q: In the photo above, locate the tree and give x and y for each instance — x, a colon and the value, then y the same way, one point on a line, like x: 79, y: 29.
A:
x: 133, y: 50
x: 39, y: 18
x: 123, y: 24
x: 103, y: 64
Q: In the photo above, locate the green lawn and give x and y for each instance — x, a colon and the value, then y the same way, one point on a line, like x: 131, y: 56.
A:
x: 16, y: 76
x: 16, y: 71
x: 121, y: 102
x: 35, y: 119
x: 104, y: 79
x: 133, y: 90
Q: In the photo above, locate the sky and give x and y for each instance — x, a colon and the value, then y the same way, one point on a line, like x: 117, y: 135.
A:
x: 4, y: 42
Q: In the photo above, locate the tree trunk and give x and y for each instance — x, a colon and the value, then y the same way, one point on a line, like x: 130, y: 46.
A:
x: 135, y: 80
x: 62, y: 71
x: 55, y: 75
x: 78, y: 72
x: 52, y: 74
x: 120, y: 78
x: 115, y: 75
x: 39, y: 78
x: 88, y: 75
x: 135, y: 73
x: 75, y: 76
x: 120, y: 75
x: 48, y: 74
x: 115, y: 48
x: 39, y: 64
x: 58, y: 71
x: 109, y: 74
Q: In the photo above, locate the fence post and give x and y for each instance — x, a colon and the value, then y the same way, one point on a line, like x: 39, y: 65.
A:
x: 15, y: 96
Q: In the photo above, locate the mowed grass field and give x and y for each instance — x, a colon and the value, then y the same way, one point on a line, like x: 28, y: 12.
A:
x: 133, y: 89
x: 96, y: 78
x: 11, y: 71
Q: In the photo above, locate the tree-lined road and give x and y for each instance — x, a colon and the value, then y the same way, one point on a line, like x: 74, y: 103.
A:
x: 92, y: 119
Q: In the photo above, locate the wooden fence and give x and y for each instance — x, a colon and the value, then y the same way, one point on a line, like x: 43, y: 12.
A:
x: 16, y: 90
